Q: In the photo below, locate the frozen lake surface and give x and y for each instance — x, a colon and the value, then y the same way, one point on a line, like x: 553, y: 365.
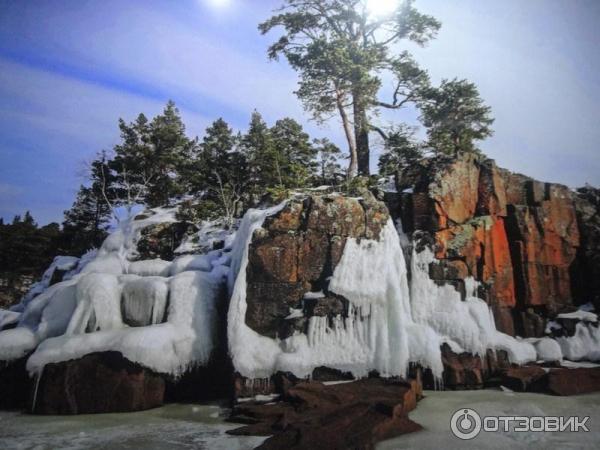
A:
x: 169, y: 427
x: 202, y: 426
x: 434, y: 413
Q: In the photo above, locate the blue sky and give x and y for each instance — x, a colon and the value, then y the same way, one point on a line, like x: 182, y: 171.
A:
x: 70, y: 69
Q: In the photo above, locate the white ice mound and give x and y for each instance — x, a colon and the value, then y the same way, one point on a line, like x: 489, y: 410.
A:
x: 159, y: 314
x: 465, y: 325
x: 584, y: 344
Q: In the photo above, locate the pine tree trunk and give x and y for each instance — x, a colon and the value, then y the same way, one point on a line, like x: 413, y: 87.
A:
x: 353, y: 168
x: 361, y: 131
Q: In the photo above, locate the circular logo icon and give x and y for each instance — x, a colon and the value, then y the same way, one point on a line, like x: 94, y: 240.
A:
x: 465, y: 424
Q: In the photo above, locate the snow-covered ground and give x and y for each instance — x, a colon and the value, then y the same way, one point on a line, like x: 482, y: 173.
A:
x: 434, y: 413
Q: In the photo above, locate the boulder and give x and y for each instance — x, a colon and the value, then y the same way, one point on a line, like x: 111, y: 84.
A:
x: 162, y: 239
x: 97, y: 383
x: 573, y: 381
x: 556, y: 381
x: 462, y: 371
x: 297, y: 250
x: 15, y: 384
x: 351, y: 415
x: 522, y: 379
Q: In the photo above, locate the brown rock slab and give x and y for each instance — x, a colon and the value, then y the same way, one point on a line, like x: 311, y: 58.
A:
x: 573, y: 381
x: 351, y: 415
x: 521, y: 379
x: 97, y: 383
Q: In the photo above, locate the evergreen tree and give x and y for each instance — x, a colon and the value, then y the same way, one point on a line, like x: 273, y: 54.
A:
x: 86, y: 222
x: 257, y: 145
x: 216, y: 152
x: 25, y: 248
x: 340, y: 50
x: 221, y: 170
x: 150, y: 157
x: 328, y: 161
x: 456, y: 117
x: 292, y: 155
x: 171, y: 149
x: 400, y: 150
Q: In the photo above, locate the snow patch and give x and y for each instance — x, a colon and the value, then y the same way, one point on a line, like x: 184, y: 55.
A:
x: 584, y: 316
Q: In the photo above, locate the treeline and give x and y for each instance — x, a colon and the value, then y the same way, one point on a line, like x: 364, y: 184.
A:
x: 156, y: 163
x: 25, y: 245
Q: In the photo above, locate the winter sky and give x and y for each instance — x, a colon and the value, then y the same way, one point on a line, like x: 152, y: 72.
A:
x: 70, y: 68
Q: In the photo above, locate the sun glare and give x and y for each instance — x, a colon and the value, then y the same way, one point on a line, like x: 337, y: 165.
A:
x: 381, y: 7
x: 218, y: 4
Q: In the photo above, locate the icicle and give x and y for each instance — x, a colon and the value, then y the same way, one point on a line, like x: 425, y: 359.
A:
x: 38, y: 377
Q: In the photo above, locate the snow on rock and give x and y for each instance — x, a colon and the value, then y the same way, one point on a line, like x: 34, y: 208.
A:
x: 8, y: 318
x: 191, y: 262
x: 60, y: 263
x: 159, y: 314
x: 150, y: 267
x: 314, y: 295
x: 98, y: 304
x: 584, y: 316
x: 584, y: 344
x: 253, y: 355
x: 16, y: 343
x: 389, y: 323
x: 209, y: 234
x: 547, y: 349
x: 469, y: 324
x: 185, y: 340
x: 372, y: 276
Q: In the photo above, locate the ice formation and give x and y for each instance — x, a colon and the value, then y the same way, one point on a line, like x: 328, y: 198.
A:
x: 390, y: 323
x: 584, y: 344
x: 163, y: 314
x: 156, y: 313
x: 465, y: 325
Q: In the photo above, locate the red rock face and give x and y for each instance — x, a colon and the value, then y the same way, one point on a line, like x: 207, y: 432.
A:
x: 517, y: 236
x: 297, y: 250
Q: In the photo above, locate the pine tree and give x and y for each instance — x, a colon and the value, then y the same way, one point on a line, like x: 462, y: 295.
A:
x: 150, y: 157
x: 341, y: 50
x: 220, y: 170
x: 171, y: 149
x: 257, y: 145
x: 401, y: 150
x: 292, y: 155
x: 86, y: 222
x: 216, y: 151
x: 329, y: 169
x: 456, y: 117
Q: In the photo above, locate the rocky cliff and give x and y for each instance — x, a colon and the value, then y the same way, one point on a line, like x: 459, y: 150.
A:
x: 322, y: 286
x: 518, y: 236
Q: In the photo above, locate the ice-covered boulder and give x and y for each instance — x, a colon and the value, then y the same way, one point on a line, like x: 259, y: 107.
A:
x: 160, y: 317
